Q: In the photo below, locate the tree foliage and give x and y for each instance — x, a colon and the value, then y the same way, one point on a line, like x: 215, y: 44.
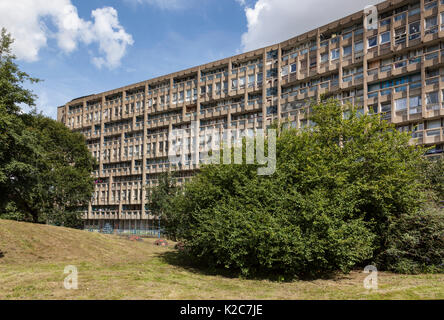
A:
x: 415, y: 243
x: 12, y: 92
x: 338, y: 188
x: 162, y: 199
x: 433, y: 175
x: 44, y: 167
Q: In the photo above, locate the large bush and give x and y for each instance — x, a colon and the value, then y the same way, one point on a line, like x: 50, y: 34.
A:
x: 248, y: 224
x: 433, y: 176
x: 338, y: 187
x: 415, y: 243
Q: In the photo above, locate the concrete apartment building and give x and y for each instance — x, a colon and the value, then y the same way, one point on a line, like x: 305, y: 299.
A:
x: 396, y: 69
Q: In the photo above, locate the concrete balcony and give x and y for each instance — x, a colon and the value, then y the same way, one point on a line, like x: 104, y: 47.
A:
x: 400, y: 117
x: 434, y: 136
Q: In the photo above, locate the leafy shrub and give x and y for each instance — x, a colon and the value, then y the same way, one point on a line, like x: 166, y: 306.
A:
x: 11, y: 212
x: 271, y: 239
x: 415, y: 243
x: 433, y: 175
x: 337, y: 189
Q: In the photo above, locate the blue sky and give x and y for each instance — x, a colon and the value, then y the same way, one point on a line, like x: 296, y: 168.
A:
x: 60, y: 42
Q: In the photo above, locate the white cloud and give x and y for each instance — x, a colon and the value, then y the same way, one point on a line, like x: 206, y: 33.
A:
x: 111, y: 36
x: 28, y: 22
x: 272, y: 21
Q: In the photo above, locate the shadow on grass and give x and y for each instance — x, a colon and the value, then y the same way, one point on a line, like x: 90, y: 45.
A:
x: 178, y: 259
x: 1, y: 254
x: 181, y: 260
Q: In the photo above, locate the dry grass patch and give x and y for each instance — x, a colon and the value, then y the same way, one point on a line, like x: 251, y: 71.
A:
x: 34, y: 258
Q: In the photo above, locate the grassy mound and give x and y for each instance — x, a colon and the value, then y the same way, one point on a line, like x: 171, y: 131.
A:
x: 27, y: 243
x: 33, y: 258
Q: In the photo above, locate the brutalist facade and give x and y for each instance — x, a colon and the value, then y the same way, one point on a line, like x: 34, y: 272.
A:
x: 396, y: 69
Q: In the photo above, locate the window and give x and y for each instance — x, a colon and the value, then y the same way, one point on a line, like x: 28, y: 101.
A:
x: 432, y: 73
x: 372, y: 42
x: 347, y: 79
x: 386, y: 110
x: 385, y: 37
x: 271, y: 91
x: 335, y: 54
x: 324, y: 57
x: 415, y: 10
x: 272, y: 55
x: 430, y: 4
x: 415, y: 101
x: 284, y: 71
x: 347, y: 36
x: 251, y: 79
x: 313, y: 61
x: 271, y: 110
x: 400, y: 35
x: 434, y: 124
x: 442, y: 21
x: 272, y: 73
x: 431, y: 22
x: 347, y: 51
x: 415, y: 104
x: 260, y: 77
x: 373, y: 109
x: 359, y: 46
x: 373, y: 87
x: 400, y: 17
x: 414, y: 30
x: 401, y: 104
x: 431, y: 25
x: 436, y: 149
x: 242, y: 82
x: 432, y: 97
x: 400, y: 61
x: 433, y: 133
x: 432, y: 100
x: 385, y: 22
x: 386, y: 107
x: 293, y: 68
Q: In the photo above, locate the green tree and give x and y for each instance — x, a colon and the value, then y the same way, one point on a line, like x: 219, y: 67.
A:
x: 433, y: 174
x: 162, y: 202
x: 415, y: 243
x: 12, y: 92
x: 336, y: 191
x: 44, y: 167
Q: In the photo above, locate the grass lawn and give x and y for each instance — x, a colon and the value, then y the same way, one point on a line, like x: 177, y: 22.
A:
x: 33, y: 259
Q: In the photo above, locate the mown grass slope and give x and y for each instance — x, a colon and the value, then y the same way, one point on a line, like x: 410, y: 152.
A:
x: 33, y: 258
